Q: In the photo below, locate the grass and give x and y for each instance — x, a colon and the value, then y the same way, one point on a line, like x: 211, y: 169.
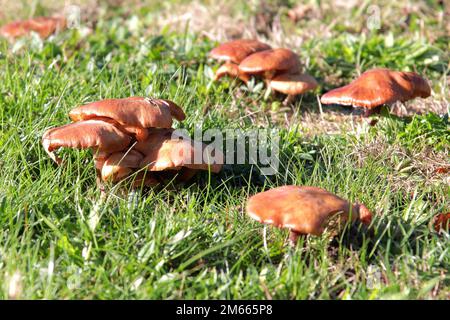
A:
x: 60, y: 239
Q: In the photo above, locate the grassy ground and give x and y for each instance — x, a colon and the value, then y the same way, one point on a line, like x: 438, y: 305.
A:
x: 60, y: 239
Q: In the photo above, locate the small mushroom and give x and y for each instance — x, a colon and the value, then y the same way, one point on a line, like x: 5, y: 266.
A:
x: 271, y: 62
x: 134, y: 114
x: 233, y: 52
x: 164, y: 150
x: 237, y: 50
x: 292, y: 85
x: 442, y: 222
x: 98, y: 135
x: 44, y: 26
x: 232, y: 70
x: 119, y: 165
x: 303, y: 210
x: 377, y: 87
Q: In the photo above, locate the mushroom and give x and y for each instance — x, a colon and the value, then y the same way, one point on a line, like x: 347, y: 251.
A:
x: 442, y: 222
x: 303, y: 210
x: 109, y: 127
x: 95, y: 134
x: 100, y: 158
x: 292, y: 85
x: 232, y: 70
x: 233, y: 52
x: 237, y: 50
x: 134, y: 114
x: 271, y: 62
x: 165, y: 150
x: 119, y: 165
x: 44, y: 26
x: 377, y: 87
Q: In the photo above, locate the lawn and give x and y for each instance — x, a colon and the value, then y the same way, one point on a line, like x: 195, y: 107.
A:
x: 60, y: 239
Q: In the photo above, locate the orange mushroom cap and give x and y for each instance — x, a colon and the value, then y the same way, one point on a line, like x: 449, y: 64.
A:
x: 164, y: 150
x: 293, y: 84
x: 120, y: 164
x: 236, y: 50
x: 377, y: 87
x: 99, y: 135
x: 304, y: 210
x: 139, y: 133
x: 273, y: 60
x: 132, y: 112
x: 44, y: 26
x: 232, y: 70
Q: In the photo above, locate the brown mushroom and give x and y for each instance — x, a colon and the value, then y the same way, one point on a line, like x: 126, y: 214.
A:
x: 237, y: 50
x: 442, y: 222
x: 164, y: 150
x: 233, y: 52
x: 292, y: 85
x: 139, y: 133
x: 119, y: 165
x: 377, y: 87
x: 98, y: 135
x: 100, y: 158
x: 232, y: 70
x: 271, y: 62
x: 44, y: 26
x: 134, y: 114
x: 303, y: 210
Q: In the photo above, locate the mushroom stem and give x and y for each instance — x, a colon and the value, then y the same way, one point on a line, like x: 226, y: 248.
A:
x: 244, y: 77
x: 293, y: 237
x: 99, y: 182
x: 269, y: 74
x: 265, y: 238
x: 289, y: 99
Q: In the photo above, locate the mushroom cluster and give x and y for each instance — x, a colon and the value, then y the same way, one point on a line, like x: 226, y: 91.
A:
x: 43, y: 26
x: 282, y: 72
x: 132, y: 136
x: 280, y: 68
x: 304, y: 210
